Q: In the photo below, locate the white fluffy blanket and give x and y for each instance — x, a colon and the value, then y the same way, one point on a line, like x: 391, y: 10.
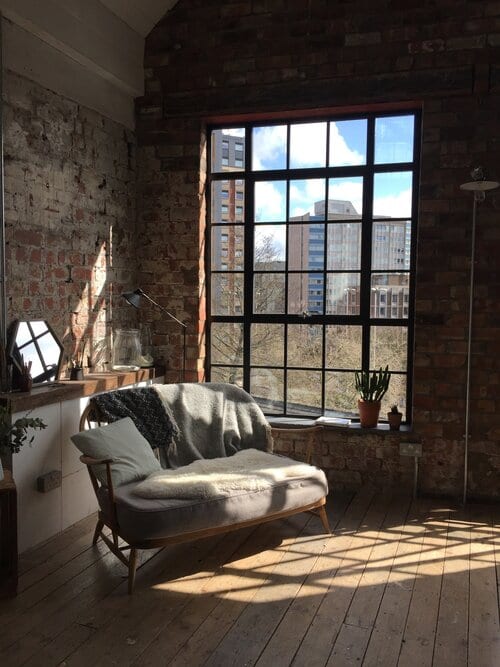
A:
x: 248, y: 470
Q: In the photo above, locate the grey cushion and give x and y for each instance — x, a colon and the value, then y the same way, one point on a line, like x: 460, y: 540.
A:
x: 146, y: 519
x: 133, y: 458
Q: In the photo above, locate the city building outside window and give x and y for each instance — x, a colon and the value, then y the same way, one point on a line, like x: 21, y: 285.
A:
x: 302, y: 270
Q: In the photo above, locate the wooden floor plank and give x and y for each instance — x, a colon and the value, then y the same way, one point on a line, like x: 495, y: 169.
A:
x: 484, y: 628
x: 356, y: 538
x: 235, y: 588
x: 379, y: 591
x: 418, y: 639
x: 453, y: 617
x: 250, y: 633
x: 385, y: 641
x: 123, y: 634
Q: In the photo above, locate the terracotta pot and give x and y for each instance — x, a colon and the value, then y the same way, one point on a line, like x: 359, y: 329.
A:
x: 394, y: 419
x: 368, y: 413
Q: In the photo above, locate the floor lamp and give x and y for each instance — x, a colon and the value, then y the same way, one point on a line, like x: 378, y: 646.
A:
x: 479, y: 186
x: 134, y: 299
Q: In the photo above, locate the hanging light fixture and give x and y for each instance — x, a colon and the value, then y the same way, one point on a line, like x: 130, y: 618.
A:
x: 479, y: 186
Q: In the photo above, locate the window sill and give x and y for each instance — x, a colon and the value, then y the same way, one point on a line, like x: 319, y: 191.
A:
x: 301, y: 422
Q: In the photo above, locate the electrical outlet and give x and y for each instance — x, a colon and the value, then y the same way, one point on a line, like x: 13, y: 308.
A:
x: 410, y: 449
x: 51, y: 480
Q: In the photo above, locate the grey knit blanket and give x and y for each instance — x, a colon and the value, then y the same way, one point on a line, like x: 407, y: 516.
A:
x: 146, y: 409
x: 214, y: 420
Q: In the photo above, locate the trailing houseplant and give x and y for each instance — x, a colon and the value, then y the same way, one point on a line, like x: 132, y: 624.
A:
x: 371, y: 387
x: 14, y: 434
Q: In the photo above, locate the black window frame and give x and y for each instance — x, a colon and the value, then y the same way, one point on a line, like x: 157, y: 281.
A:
x: 367, y: 171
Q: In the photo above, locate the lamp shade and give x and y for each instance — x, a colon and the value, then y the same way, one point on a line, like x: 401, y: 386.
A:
x: 133, y: 298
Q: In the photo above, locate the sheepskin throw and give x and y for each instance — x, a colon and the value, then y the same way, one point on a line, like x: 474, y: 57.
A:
x: 245, y: 471
x: 214, y: 420
x: 143, y: 405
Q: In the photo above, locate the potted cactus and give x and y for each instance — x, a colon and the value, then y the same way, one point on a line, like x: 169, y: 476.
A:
x: 371, y: 388
x: 394, y: 417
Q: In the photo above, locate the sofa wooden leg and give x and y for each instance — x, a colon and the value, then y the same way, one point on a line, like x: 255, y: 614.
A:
x: 324, y: 519
x: 97, y: 532
x: 132, y: 567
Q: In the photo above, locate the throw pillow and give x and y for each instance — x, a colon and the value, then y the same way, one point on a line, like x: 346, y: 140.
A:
x: 132, y: 455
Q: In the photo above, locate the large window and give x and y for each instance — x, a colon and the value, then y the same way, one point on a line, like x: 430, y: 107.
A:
x: 311, y: 258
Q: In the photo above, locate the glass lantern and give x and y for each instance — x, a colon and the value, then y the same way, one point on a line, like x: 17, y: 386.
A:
x: 126, y: 350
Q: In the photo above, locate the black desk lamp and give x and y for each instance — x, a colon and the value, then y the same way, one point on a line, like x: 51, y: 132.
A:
x: 134, y: 299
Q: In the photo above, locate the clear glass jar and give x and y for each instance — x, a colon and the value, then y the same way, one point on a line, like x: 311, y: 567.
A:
x: 126, y: 350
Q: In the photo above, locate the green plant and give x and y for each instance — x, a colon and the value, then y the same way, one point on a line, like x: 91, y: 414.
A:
x: 372, y: 387
x: 394, y: 410
x: 13, y: 435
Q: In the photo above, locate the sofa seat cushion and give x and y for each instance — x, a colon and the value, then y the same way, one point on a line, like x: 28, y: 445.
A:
x: 143, y: 519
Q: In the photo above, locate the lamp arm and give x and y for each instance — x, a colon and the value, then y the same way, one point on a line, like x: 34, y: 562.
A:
x: 172, y: 317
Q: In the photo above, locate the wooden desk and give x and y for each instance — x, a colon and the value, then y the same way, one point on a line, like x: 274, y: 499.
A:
x: 8, y: 536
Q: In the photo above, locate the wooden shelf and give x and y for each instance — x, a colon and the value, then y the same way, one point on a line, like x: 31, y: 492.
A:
x: 65, y: 390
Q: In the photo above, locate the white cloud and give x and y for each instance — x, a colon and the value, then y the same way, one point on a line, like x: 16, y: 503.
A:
x: 307, y: 145
x: 340, y: 153
x: 394, y: 206
x: 349, y: 190
x: 234, y: 131
x: 303, y: 194
x: 269, y: 202
x: 269, y: 145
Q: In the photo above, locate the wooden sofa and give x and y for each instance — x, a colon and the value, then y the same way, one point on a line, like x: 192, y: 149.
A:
x: 144, y: 522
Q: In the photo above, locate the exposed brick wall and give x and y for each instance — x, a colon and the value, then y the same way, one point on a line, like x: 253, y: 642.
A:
x: 211, y: 58
x: 69, y: 212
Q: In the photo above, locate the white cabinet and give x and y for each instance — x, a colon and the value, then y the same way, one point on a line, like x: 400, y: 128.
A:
x: 39, y: 515
x: 42, y: 515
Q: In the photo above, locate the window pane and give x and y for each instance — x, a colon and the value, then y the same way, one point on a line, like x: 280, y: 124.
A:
x: 269, y: 247
x: 307, y: 199
x: 342, y: 294
x: 340, y: 394
x: 269, y: 293
x: 227, y: 201
x: 227, y: 294
x: 303, y: 392
x: 269, y: 147
x: 305, y: 345
x: 270, y: 201
x: 306, y: 247
x: 394, y: 139
x: 388, y: 347
x: 391, y: 244
x: 392, y: 194
x: 305, y: 293
x: 226, y: 343
x: 267, y: 387
x: 345, y: 198
x: 227, y: 244
x: 396, y: 395
x: 347, y: 143
x: 307, y: 145
x: 343, y: 346
x: 228, y: 149
x: 344, y: 246
x: 267, y: 344
x: 233, y: 375
x: 389, y: 296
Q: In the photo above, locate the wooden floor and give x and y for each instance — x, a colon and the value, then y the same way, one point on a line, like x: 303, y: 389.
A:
x: 398, y: 583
